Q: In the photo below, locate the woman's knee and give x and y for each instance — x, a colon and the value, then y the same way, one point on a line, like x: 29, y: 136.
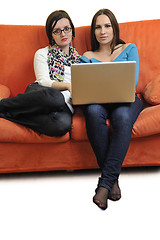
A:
x: 92, y: 109
x: 95, y: 112
x: 60, y: 124
x: 57, y: 131
x: 128, y: 113
x: 64, y: 125
x: 121, y: 118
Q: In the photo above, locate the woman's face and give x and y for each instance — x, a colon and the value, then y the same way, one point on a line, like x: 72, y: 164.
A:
x: 103, y: 29
x: 62, y: 38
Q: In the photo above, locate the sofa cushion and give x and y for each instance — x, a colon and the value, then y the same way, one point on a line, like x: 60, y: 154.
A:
x: 16, y: 133
x: 78, y: 131
x: 148, y: 122
x: 4, y: 91
x: 151, y: 92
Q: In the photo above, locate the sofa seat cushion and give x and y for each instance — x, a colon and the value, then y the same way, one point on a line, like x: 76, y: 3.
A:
x: 16, y: 133
x: 148, y: 123
x: 151, y: 92
x: 78, y: 130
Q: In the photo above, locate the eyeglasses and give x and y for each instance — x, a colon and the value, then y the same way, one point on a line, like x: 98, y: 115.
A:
x: 59, y: 31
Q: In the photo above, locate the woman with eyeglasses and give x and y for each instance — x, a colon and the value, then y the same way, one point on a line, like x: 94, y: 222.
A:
x: 45, y: 106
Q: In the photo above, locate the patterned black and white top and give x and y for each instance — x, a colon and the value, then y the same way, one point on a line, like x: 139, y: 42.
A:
x: 58, y: 59
x: 53, y: 64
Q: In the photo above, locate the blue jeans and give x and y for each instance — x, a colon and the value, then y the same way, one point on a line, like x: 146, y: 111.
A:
x: 111, y: 149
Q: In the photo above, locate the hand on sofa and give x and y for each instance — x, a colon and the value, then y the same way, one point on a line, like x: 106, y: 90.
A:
x: 4, y: 91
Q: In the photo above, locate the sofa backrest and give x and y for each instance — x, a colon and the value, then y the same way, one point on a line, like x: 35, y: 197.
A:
x: 18, y: 43
x: 17, y: 47
x: 146, y: 36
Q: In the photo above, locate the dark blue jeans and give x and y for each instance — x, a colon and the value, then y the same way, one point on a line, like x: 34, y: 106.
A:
x: 111, y: 149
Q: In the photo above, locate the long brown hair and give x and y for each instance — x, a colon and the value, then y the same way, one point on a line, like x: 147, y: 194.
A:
x: 116, y: 40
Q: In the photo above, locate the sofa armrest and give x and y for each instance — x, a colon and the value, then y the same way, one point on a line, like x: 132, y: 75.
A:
x: 4, y: 91
x: 148, y: 122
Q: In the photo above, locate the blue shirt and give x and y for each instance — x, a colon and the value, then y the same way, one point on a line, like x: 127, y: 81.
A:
x: 130, y: 53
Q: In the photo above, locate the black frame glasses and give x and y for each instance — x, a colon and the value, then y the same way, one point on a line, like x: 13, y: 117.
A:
x: 59, y: 31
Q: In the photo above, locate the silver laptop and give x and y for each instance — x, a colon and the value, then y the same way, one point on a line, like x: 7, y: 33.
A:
x: 103, y: 82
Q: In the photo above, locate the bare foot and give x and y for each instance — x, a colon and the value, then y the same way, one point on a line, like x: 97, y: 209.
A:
x: 115, y: 193
x: 100, y: 198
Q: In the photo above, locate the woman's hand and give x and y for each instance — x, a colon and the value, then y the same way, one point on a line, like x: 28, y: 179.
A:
x: 69, y: 87
x: 62, y: 86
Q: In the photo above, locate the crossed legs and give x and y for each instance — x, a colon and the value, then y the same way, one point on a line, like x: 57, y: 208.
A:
x: 43, y: 109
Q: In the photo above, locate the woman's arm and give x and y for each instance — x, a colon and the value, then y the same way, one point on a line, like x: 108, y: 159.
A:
x: 61, y: 86
x: 133, y: 56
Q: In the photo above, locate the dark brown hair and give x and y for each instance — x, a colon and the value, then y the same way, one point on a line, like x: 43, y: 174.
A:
x: 55, y: 17
x: 116, y: 40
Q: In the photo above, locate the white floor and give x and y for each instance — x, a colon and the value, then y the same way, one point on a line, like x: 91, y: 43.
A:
x: 58, y: 205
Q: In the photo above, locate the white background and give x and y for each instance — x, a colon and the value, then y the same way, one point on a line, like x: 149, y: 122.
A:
x: 35, y: 12
x: 59, y: 206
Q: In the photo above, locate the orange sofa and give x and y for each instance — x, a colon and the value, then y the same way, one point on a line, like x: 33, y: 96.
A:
x: 23, y: 150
